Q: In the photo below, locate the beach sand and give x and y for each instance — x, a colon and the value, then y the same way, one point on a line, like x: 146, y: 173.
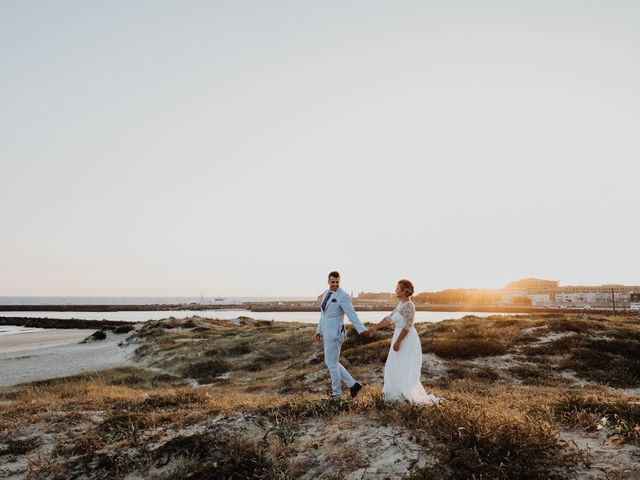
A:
x: 54, y: 353
x: 41, y: 339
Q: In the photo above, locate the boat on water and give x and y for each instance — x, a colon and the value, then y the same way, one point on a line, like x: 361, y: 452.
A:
x: 204, y: 300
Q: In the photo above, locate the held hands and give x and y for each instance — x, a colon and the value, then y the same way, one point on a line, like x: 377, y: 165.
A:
x: 367, y: 333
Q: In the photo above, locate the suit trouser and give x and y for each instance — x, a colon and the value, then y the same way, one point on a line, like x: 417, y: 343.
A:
x: 336, y: 370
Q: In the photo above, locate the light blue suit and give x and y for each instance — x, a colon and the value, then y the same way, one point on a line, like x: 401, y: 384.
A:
x: 331, y: 327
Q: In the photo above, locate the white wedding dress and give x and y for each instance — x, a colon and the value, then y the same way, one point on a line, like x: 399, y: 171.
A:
x: 402, y: 370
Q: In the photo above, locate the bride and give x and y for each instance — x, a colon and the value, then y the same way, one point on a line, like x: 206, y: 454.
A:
x: 402, y: 370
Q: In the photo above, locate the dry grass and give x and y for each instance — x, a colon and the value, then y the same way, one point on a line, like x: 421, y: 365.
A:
x: 590, y: 411
x: 498, y: 421
x: 457, y: 371
x: 473, y: 337
x: 488, y: 442
x: 609, y: 357
x: 218, y: 453
x: 493, y: 434
x: 534, y: 375
x: 20, y: 446
x: 207, y: 371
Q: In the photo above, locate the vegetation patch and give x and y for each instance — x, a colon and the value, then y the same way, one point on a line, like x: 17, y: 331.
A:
x: 576, y: 324
x: 484, y: 442
x: 123, y: 329
x: 460, y: 348
x: 178, y: 399
x: 96, y: 336
x: 218, y: 454
x: 559, y: 346
x: 590, y: 411
x: 478, y: 372
x: 20, y: 446
x: 368, y: 352
x: 207, y: 371
x: 125, y: 425
x: 605, y: 368
x: 297, y: 410
x: 533, y: 374
x: 470, y: 337
x: 83, y: 445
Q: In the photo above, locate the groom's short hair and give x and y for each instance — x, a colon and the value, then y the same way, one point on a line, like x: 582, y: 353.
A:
x: 334, y: 274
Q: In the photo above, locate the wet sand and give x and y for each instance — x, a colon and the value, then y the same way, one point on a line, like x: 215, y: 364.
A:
x: 41, y: 339
x: 55, y: 353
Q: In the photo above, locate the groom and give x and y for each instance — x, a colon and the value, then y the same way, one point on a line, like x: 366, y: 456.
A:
x: 335, y: 303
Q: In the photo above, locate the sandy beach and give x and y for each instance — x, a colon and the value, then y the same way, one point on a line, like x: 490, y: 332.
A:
x: 54, y: 353
x: 36, y: 339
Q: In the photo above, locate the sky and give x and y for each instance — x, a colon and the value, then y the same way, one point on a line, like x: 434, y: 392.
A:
x: 248, y: 148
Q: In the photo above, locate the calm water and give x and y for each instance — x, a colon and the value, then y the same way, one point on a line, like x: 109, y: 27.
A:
x: 141, y: 300
x: 305, y: 317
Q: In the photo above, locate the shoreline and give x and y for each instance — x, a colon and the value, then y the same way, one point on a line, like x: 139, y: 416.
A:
x: 54, y: 337
x: 61, y: 324
x: 262, y: 307
x: 116, y: 308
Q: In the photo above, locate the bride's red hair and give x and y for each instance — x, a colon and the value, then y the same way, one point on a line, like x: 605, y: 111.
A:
x: 407, y: 286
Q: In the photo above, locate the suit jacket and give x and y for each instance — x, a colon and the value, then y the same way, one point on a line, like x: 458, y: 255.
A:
x: 331, y: 324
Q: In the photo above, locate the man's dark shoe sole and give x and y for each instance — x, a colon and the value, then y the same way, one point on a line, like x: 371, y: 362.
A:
x: 355, y: 389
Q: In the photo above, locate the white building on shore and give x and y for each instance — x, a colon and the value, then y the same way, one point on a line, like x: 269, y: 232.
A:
x: 634, y: 302
x: 547, y: 293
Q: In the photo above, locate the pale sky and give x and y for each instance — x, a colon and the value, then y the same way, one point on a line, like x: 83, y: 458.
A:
x: 248, y: 148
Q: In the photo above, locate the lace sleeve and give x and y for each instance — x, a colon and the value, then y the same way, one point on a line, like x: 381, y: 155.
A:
x: 408, y: 312
x: 391, y: 315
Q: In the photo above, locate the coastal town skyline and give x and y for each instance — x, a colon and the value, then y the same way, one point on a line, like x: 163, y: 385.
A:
x: 535, y: 285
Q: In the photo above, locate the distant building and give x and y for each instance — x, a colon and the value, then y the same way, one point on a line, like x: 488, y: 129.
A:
x: 548, y: 293
x: 540, y: 292
x: 533, y: 285
x: 379, y: 297
x: 539, y: 300
x: 597, y: 296
x: 634, y: 302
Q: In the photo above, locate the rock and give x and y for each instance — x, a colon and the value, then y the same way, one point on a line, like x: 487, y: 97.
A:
x: 95, y: 336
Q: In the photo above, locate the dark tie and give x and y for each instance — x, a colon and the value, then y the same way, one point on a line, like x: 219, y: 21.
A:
x: 326, y: 299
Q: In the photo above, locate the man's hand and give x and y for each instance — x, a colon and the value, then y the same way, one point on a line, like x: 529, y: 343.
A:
x: 396, y: 346
x: 318, y: 337
x: 367, y: 333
